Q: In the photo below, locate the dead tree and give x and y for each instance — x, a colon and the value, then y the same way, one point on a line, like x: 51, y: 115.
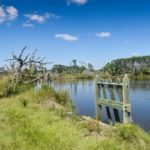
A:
x: 26, y: 68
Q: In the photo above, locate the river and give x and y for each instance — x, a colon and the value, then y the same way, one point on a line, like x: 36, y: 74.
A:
x: 82, y: 95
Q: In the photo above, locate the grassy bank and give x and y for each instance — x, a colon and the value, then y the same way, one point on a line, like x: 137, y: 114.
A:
x: 132, y: 77
x: 66, y: 77
x: 40, y: 121
x: 141, y: 77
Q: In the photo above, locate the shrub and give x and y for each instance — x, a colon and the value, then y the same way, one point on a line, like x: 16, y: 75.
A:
x: 128, y: 132
x: 7, y: 86
x: 132, y: 134
x: 44, y: 93
x: 62, y: 97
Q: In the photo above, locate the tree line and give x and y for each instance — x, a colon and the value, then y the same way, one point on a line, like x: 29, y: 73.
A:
x: 135, y: 66
x: 73, y: 68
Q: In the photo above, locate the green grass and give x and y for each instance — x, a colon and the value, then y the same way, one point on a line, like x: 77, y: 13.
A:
x: 6, y: 86
x: 26, y: 124
x: 9, y: 87
x: 73, y: 77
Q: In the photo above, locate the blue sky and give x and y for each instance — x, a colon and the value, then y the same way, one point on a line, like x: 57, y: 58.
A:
x: 95, y: 31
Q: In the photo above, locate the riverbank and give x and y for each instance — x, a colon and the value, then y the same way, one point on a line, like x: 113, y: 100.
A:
x: 72, y: 77
x: 141, y: 77
x: 132, y: 77
x: 66, y: 77
x: 43, y: 120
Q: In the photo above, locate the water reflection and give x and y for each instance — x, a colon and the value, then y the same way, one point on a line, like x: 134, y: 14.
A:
x: 82, y: 95
x: 140, y: 85
x: 140, y: 96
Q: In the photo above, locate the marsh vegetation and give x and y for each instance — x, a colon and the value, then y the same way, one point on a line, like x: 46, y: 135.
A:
x: 45, y: 119
x: 40, y: 120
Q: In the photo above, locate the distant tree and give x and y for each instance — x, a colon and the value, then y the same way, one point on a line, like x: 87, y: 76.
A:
x: 133, y: 65
x: 90, y: 67
x: 74, y: 61
x: 59, y: 68
x: 67, y: 69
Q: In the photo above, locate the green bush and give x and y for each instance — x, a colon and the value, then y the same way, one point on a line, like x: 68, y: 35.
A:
x: 44, y: 93
x: 62, y: 97
x: 128, y: 132
x: 7, y: 86
x: 132, y: 134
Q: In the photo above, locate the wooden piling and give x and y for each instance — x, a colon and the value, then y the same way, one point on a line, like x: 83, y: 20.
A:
x: 97, y: 95
x: 105, y: 96
x: 126, y: 103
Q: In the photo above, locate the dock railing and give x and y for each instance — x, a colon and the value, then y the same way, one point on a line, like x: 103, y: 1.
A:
x: 114, y: 97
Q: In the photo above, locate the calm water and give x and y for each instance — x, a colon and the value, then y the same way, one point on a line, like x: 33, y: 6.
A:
x: 82, y: 95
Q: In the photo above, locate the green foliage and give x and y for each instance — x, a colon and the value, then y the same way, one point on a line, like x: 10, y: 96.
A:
x: 132, y: 134
x: 44, y: 93
x: 74, y: 71
x: 62, y: 97
x: 47, y: 92
x: 36, y: 128
x: 7, y: 86
x: 67, y: 69
x: 134, y: 65
x: 128, y: 132
x: 73, y: 77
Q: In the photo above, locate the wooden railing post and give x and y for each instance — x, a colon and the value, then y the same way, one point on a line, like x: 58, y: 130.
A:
x: 107, y: 93
x: 97, y: 95
x: 108, y: 112
x: 112, y: 95
x: 126, y: 103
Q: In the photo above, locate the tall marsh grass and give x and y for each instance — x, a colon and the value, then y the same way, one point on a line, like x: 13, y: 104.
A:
x: 7, y: 86
x: 47, y: 92
x: 35, y: 128
x: 27, y: 125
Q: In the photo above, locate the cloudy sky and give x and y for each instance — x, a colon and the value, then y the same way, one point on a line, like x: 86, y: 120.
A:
x: 95, y: 31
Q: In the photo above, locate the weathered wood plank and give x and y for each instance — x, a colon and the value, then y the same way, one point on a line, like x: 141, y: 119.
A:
x: 110, y: 84
x: 107, y: 107
x: 106, y: 93
x: 119, y: 90
x: 111, y: 103
x: 126, y: 103
x: 97, y: 95
x: 112, y: 95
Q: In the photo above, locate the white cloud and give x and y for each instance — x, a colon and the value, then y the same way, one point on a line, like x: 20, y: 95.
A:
x: 12, y: 13
x: 2, y: 15
x: 78, y: 2
x: 27, y: 24
x: 66, y: 37
x: 103, y: 34
x: 8, y: 14
x: 41, y: 18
